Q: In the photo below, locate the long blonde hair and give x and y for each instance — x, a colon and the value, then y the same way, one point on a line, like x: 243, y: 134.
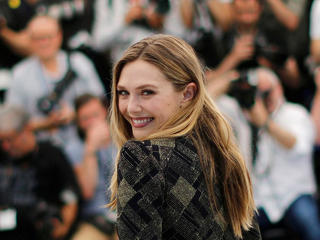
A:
x: 200, y: 120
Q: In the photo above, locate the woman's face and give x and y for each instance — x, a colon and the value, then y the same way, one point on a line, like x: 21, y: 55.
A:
x: 146, y: 99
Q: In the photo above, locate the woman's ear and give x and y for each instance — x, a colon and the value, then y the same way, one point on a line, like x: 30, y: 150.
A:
x: 189, y: 92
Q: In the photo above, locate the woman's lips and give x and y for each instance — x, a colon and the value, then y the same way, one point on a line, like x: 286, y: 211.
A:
x: 141, y: 122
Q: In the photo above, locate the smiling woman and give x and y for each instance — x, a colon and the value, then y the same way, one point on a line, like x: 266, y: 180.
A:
x: 178, y: 173
x: 144, y: 93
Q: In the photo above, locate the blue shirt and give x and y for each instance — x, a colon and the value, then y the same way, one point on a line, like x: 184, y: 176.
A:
x: 105, y: 157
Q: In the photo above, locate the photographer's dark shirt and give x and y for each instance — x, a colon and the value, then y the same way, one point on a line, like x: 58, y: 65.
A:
x: 43, y: 176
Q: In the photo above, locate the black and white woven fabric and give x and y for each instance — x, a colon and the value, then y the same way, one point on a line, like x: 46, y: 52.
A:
x: 162, y: 194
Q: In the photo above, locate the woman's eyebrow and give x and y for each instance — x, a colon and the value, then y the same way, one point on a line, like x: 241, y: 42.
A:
x: 139, y: 87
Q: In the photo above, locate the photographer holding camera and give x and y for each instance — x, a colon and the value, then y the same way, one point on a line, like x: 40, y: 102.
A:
x: 276, y: 138
x: 38, y: 191
x: 46, y: 83
x: 92, y: 156
x: 246, y: 46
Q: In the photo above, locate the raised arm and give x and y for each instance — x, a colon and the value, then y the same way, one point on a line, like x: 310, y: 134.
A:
x: 19, y: 42
x: 284, y: 14
x: 315, y: 31
x: 221, y: 12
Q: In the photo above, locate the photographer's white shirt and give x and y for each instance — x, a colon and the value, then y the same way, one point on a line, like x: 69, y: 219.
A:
x: 279, y: 175
x: 315, y: 20
x: 30, y: 82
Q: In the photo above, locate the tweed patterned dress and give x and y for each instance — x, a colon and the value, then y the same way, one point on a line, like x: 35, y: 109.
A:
x: 162, y: 194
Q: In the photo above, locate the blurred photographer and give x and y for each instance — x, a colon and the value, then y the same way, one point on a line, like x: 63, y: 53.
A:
x: 14, y: 40
x: 38, y: 191
x: 92, y: 157
x: 205, y: 21
x: 47, y: 82
x: 287, y: 23
x: 245, y: 45
x: 276, y: 138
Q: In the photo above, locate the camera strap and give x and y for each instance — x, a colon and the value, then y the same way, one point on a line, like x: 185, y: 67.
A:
x: 254, y: 142
x: 65, y: 82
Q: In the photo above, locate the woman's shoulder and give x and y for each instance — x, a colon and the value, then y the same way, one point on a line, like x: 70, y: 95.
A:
x: 149, y: 145
x: 159, y: 144
x: 159, y: 149
x: 155, y: 150
x: 165, y: 142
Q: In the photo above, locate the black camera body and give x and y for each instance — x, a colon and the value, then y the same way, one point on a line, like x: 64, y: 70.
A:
x: 271, y: 51
x: 46, y: 104
x: 244, y: 88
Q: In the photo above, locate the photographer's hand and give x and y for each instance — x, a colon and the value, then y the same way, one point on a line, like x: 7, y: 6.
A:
x: 135, y: 12
x: 68, y: 215
x: 284, y: 14
x: 243, y: 49
x: 218, y: 85
x: 55, y: 119
x: 59, y: 229
x: 19, y: 42
x: 221, y: 12
x: 97, y: 136
x: 65, y: 114
x: 44, y: 123
x: 62, y: 116
x: 154, y: 19
x: 258, y: 114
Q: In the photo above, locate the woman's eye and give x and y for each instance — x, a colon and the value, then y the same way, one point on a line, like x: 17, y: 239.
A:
x: 147, y: 92
x: 122, y: 92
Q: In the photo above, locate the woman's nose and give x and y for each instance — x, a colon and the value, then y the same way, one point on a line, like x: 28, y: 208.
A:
x: 134, y: 105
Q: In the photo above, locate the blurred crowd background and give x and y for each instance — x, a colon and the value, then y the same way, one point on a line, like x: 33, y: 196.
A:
x: 262, y: 64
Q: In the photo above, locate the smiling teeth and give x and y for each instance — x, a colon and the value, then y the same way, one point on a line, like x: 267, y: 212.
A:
x: 140, y: 121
